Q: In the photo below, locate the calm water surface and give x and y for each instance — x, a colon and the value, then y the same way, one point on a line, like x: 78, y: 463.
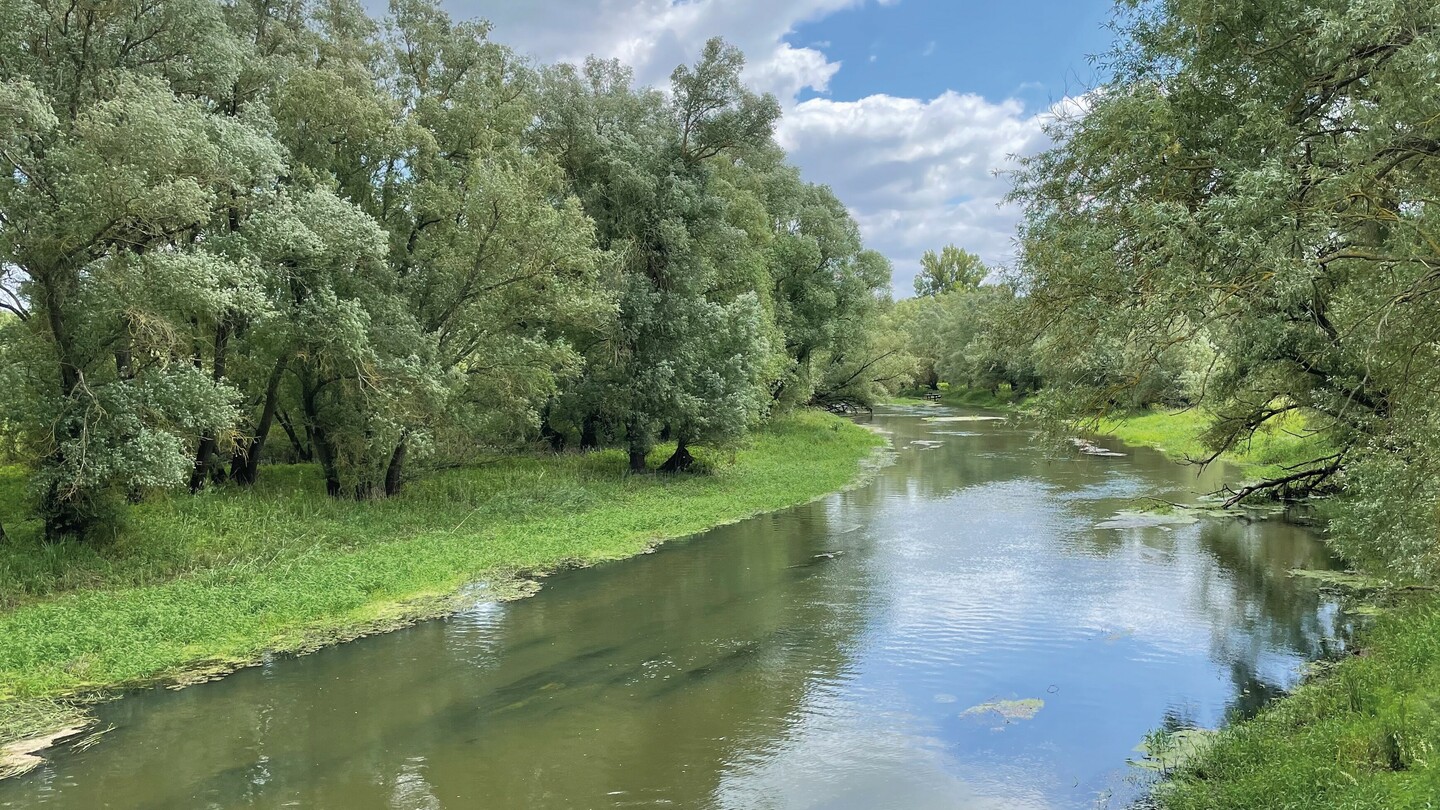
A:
x: 822, y: 657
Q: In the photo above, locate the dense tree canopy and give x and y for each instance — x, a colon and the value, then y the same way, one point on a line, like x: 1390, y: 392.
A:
x: 387, y: 242
x: 1250, y: 208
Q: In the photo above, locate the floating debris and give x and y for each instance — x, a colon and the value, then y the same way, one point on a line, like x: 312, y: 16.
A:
x: 1009, y: 710
x: 964, y: 419
x: 1166, y: 751
x: 1342, y: 580
x: 1147, y: 520
x: 1090, y: 448
x: 24, y: 755
x: 816, y: 559
x: 1118, y: 635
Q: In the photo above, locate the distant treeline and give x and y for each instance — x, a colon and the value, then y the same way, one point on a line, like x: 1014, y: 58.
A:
x: 251, y: 229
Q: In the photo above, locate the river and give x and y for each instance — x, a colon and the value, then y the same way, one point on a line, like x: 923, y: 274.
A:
x: 963, y: 632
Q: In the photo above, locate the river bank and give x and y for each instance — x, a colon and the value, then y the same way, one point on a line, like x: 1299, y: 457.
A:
x: 197, y: 586
x: 1363, y: 732
x: 962, y: 630
x: 1173, y: 431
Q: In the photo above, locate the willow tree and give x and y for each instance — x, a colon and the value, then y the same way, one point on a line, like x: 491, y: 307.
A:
x: 485, y: 263
x: 114, y: 169
x: 1263, y: 177
x: 950, y: 270
x: 826, y: 290
x: 687, y: 354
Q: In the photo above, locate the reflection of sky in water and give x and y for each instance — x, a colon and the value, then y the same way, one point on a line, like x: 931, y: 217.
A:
x: 823, y: 657
x: 1004, y: 590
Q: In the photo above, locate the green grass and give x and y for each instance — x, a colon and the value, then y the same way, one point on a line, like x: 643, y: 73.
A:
x: 224, y: 577
x: 1003, y: 399
x: 1365, y: 735
x: 1177, y: 433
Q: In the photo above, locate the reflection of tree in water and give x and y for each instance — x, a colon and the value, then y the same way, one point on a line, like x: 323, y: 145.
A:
x: 1269, y: 610
x: 657, y: 676
x: 1261, y: 613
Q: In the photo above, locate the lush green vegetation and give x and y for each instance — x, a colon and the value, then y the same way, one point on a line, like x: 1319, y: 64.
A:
x: 1001, y: 399
x: 277, y: 277
x: 1179, y: 433
x: 1243, y: 220
x: 225, y: 576
x: 1232, y: 250
x: 237, y: 232
x: 1240, y: 227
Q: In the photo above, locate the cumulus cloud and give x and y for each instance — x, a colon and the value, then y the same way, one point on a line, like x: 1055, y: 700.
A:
x: 654, y: 36
x: 916, y: 173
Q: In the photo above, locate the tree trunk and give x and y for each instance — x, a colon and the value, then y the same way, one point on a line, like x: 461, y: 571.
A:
x: 637, y: 460
x: 589, y: 433
x: 319, y: 442
x: 207, y: 441
x: 302, y: 450
x: 550, y: 434
x: 395, y: 473
x: 326, y: 455
x: 245, y: 463
x: 64, y: 513
x: 680, y: 460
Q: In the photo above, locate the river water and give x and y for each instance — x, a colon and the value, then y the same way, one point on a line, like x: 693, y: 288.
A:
x: 836, y: 655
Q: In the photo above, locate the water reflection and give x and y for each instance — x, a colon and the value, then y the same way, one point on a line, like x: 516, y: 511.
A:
x: 821, y: 657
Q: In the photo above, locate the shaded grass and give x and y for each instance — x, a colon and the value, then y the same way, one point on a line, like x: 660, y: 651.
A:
x: 1176, y: 433
x: 227, y: 576
x: 1000, y: 400
x: 1366, y: 735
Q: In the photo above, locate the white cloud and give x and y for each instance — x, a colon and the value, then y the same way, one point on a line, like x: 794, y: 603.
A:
x: 654, y: 36
x: 916, y: 173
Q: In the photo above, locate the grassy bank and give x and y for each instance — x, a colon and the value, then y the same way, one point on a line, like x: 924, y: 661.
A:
x: 1365, y: 734
x: 1176, y: 433
x: 1173, y: 431
x: 999, y: 400
x: 222, y: 578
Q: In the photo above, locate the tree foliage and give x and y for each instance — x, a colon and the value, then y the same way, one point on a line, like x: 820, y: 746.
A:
x: 388, y: 243
x: 950, y: 270
x: 1255, y: 191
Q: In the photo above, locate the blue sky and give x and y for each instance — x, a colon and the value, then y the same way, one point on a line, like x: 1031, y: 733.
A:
x: 1034, y: 50
x: 911, y: 110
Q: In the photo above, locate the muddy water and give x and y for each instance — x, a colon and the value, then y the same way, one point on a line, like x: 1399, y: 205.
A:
x: 830, y: 656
